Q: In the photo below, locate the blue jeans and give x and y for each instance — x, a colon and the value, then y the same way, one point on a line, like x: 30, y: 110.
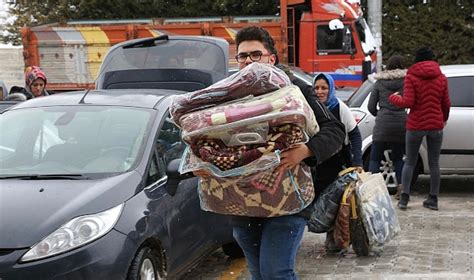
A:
x: 377, y: 155
x: 271, y: 246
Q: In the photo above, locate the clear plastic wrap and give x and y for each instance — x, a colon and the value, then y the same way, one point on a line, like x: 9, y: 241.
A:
x: 284, y: 106
x: 190, y: 162
x: 263, y: 194
x: 255, y: 79
x: 376, y: 210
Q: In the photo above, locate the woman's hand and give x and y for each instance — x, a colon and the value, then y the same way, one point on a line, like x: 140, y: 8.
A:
x: 292, y: 157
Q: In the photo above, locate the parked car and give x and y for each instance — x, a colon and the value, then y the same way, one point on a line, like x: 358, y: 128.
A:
x: 90, y: 186
x: 457, y: 151
x: 5, y: 104
x: 3, y: 90
x: 104, y: 199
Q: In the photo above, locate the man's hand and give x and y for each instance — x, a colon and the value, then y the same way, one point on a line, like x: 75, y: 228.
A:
x: 396, y: 93
x: 292, y: 157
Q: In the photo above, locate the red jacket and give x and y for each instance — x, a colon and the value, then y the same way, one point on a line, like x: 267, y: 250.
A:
x: 425, y: 92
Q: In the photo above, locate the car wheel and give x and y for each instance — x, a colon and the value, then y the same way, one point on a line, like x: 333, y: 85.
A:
x: 388, y: 171
x: 233, y: 250
x: 146, y: 265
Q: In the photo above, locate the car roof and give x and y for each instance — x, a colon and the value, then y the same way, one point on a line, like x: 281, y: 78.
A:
x: 458, y: 70
x: 142, y: 98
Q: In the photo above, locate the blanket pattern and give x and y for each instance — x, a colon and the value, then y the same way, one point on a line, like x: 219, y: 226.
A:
x: 263, y: 194
x: 225, y: 158
x: 255, y: 79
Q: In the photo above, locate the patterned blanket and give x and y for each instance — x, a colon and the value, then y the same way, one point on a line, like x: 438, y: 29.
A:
x: 215, y: 151
x: 255, y: 79
x: 263, y: 194
x: 284, y: 106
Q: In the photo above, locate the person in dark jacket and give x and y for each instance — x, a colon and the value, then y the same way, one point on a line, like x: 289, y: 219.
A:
x: 35, y: 83
x: 389, y: 130
x: 425, y: 92
x: 270, y: 245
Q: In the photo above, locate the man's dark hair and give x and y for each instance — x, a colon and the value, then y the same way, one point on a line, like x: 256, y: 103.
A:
x: 256, y: 33
x: 395, y: 62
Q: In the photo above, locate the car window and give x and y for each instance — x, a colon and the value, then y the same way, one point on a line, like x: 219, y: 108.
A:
x: 72, y: 139
x: 178, y: 54
x: 461, y: 91
x: 168, y: 146
x: 358, y: 97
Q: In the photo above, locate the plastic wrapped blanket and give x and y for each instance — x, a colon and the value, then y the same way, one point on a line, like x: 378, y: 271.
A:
x: 255, y: 79
x: 263, y: 194
x: 231, y: 122
x: 376, y: 210
x: 248, y: 142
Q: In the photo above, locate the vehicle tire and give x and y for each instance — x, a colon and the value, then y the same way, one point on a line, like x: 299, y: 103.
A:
x: 147, y: 265
x: 233, y: 250
x: 388, y: 171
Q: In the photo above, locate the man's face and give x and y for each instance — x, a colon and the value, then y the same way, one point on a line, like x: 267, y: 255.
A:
x: 252, y: 49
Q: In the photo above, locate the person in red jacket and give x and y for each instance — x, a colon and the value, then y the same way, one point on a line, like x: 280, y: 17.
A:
x: 426, y: 94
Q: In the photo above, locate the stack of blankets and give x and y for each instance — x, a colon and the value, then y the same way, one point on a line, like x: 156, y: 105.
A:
x: 236, y: 129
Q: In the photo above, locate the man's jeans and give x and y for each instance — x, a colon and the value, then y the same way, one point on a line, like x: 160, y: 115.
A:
x: 271, y: 246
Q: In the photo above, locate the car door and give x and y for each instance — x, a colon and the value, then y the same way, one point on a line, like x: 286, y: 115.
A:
x: 457, y: 151
x: 186, y: 224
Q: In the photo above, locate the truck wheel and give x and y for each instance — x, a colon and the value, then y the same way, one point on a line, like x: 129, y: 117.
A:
x: 147, y: 265
x: 233, y: 250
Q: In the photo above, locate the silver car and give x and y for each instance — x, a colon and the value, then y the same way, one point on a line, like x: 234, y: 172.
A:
x: 457, y: 151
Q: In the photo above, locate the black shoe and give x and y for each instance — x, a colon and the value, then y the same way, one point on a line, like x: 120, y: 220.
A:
x: 431, y: 202
x: 404, y: 198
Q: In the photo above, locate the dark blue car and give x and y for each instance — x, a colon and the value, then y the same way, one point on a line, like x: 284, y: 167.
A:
x: 89, y: 187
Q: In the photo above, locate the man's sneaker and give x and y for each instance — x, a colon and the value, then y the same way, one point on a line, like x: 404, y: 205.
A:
x: 431, y: 202
x: 404, y: 198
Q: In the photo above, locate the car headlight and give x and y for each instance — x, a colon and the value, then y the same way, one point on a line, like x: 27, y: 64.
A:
x: 77, y: 232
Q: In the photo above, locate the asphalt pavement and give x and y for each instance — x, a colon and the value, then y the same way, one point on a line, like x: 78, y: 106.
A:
x: 431, y: 244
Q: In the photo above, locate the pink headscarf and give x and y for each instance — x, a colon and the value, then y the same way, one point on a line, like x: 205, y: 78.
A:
x: 32, y: 73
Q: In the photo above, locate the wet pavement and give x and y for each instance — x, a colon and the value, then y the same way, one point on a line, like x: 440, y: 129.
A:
x: 431, y: 244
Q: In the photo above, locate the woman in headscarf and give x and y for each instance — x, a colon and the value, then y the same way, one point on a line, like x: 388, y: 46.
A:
x: 35, y: 83
x: 350, y: 155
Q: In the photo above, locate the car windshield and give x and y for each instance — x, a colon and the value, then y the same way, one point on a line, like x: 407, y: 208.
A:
x: 358, y: 97
x: 72, y: 140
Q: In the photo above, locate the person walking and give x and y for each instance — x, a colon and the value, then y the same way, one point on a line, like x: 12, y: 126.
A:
x: 35, y: 83
x: 390, y: 120
x: 426, y: 94
x: 270, y: 244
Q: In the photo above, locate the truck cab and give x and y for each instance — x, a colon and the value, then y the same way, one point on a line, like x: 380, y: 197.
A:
x: 332, y: 37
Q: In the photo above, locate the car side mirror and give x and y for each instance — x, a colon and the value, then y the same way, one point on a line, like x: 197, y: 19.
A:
x: 174, y: 176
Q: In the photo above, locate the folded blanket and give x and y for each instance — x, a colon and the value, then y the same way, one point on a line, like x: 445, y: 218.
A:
x: 255, y: 79
x: 264, y: 194
x: 286, y: 105
x: 216, y: 152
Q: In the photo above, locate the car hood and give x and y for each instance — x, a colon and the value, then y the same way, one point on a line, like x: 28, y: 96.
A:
x: 32, y: 209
